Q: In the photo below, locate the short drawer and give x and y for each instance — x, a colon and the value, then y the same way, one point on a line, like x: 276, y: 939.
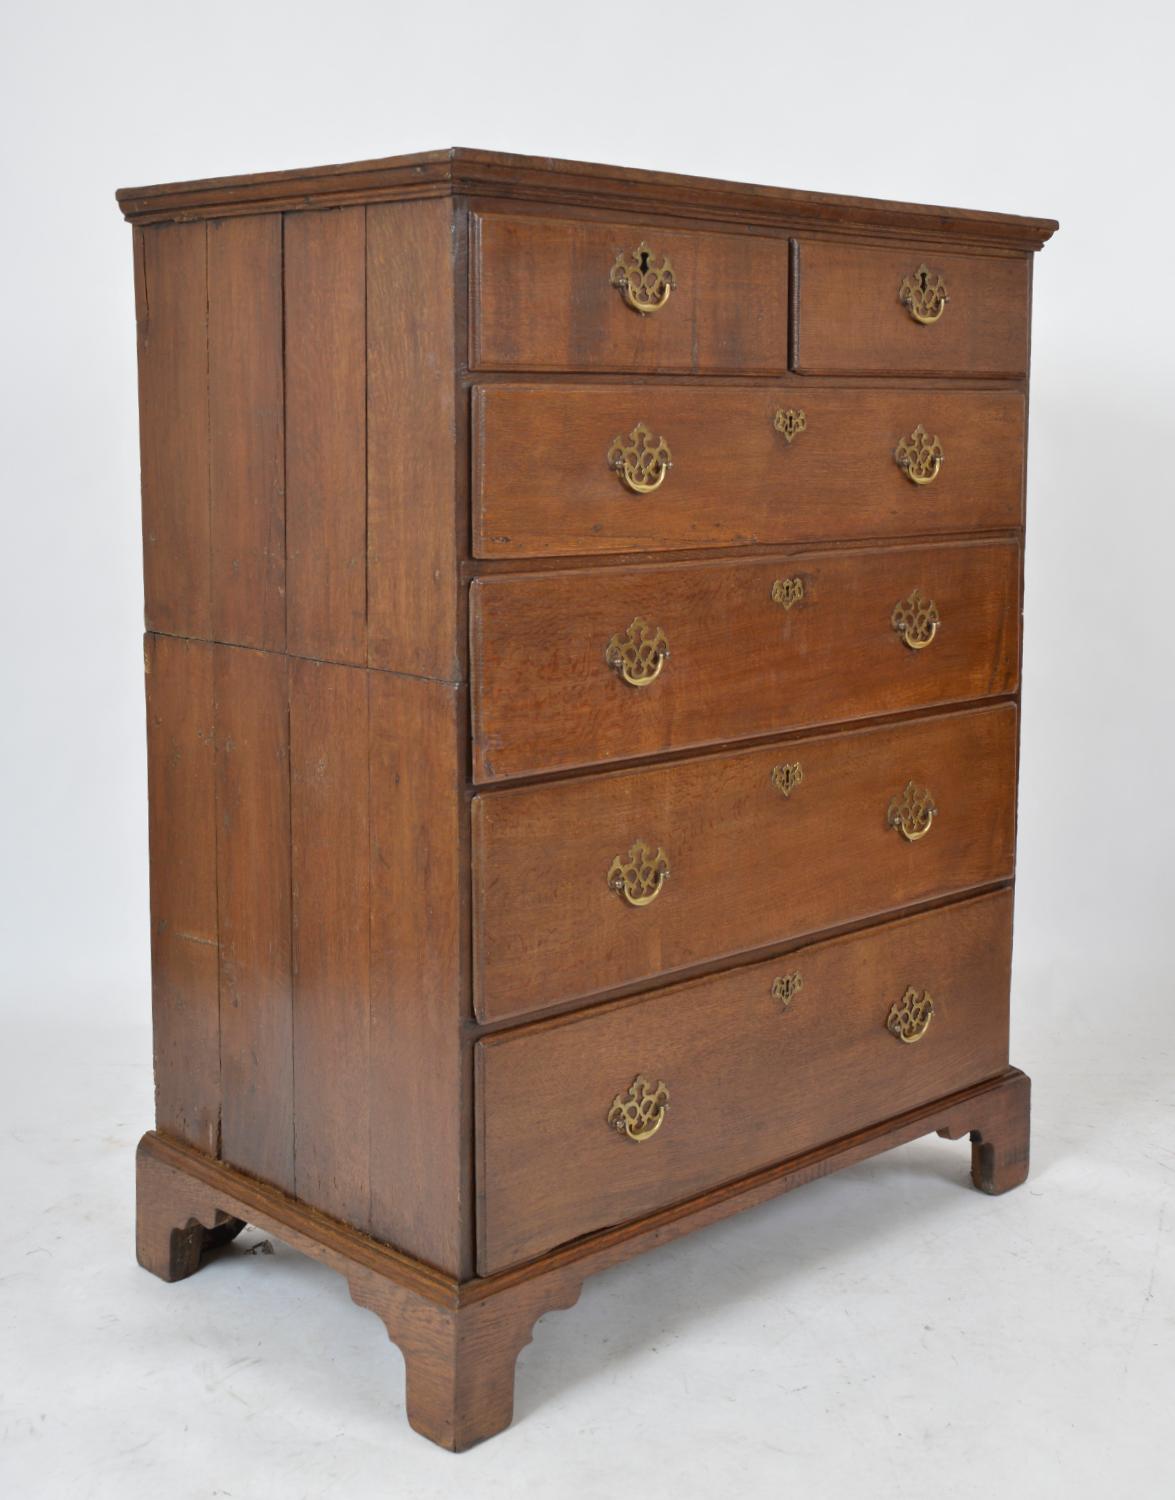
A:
x: 574, y: 470
x: 900, y: 311
x: 573, y: 294
x: 589, y: 1121
x: 587, y: 886
x: 583, y: 667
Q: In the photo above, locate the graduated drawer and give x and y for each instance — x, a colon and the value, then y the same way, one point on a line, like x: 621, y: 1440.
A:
x: 555, y: 466
x: 740, y: 1070
x: 558, y: 294
x: 867, y: 311
x: 577, y: 668
x: 570, y: 898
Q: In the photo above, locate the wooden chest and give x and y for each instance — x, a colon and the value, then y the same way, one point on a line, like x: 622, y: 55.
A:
x: 583, y: 646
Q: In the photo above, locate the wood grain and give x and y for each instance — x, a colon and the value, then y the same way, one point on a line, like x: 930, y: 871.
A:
x: 749, y: 867
x: 246, y: 421
x: 171, y: 286
x: 849, y: 320
x: 543, y: 485
x: 750, y: 1081
x: 545, y: 699
x: 185, y: 993
x: 542, y: 299
x: 421, y: 1158
x: 332, y: 922
x: 325, y: 279
x: 253, y: 902
x: 412, y: 534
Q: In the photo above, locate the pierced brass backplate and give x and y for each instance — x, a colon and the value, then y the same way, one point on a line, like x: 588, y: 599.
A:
x: 910, y: 1016
x: 640, y: 875
x: 787, y: 776
x: 644, y: 284
x: 790, y: 423
x: 786, y: 988
x: 912, y: 812
x: 919, y: 456
x: 916, y: 620
x: 924, y: 295
x: 787, y: 591
x: 638, y: 655
x: 641, y: 461
x: 641, y: 1112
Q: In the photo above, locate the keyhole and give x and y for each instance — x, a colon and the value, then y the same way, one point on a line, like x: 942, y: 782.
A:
x: 924, y: 280
x: 644, y: 261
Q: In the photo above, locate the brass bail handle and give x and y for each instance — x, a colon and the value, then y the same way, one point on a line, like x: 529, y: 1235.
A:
x: 910, y: 1017
x: 643, y: 278
x: 916, y: 620
x: 638, y: 654
x: 641, y: 461
x: 919, y: 456
x: 640, y: 875
x: 640, y: 1113
x: 923, y: 293
x: 911, y: 812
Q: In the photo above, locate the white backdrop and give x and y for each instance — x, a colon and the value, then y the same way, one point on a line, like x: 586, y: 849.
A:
x: 1060, y: 109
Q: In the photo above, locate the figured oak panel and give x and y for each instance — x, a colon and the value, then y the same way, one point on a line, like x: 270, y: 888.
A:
x: 850, y: 319
x: 749, y: 864
x: 544, y: 484
x: 750, y: 1079
x: 755, y: 647
x: 543, y: 298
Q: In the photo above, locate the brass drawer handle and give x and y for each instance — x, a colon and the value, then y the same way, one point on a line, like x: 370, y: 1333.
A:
x: 641, y: 463
x: 912, y: 812
x: 916, y: 620
x: 638, y: 655
x: 790, y: 423
x: 787, y: 591
x: 786, y: 777
x: 641, y: 1112
x: 643, y: 285
x: 910, y: 1016
x: 640, y: 875
x: 786, y: 988
x: 924, y: 295
x: 920, y: 456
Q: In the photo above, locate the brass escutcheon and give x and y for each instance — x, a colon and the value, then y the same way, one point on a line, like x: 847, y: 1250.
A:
x: 912, y: 812
x: 790, y: 423
x: 641, y: 1112
x: 787, y: 591
x: 786, y: 988
x: 910, y: 1016
x: 916, y: 620
x: 640, y: 875
x: 643, y: 285
x: 785, y: 777
x: 920, y: 456
x: 924, y: 295
x: 638, y: 655
x: 641, y: 462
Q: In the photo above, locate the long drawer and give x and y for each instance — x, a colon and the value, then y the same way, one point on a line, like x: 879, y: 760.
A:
x: 868, y: 310
x: 567, y: 470
x: 577, y: 294
x: 589, y: 885
x: 588, y: 1121
x: 582, y: 667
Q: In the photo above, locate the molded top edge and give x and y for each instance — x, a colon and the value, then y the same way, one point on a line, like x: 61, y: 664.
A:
x: 431, y: 174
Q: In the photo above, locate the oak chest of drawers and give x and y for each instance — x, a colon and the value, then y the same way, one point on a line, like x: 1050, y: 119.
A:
x: 583, y: 645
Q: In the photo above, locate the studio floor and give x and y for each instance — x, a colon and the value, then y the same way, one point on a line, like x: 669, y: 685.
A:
x: 884, y: 1333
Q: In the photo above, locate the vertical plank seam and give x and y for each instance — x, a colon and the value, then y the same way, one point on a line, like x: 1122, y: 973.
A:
x: 370, y: 922
x: 289, y: 664
x: 366, y: 446
x: 214, y: 676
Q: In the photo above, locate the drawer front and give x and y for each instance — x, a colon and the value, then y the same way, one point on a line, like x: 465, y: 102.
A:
x: 559, y: 294
x: 570, y: 893
x: 565, y: 470
x: 578, y: 668
x: 863, y: 311
x: 758, y: 1064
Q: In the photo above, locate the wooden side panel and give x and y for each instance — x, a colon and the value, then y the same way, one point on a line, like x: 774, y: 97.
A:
x: 420, y: 1122
x: 412, y: 538
x: 181, y: 774
x: 326, y: 434
x: 331, y: 873
x: 171, y: 296
x: 246, y: 431
x: 253, y: 885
